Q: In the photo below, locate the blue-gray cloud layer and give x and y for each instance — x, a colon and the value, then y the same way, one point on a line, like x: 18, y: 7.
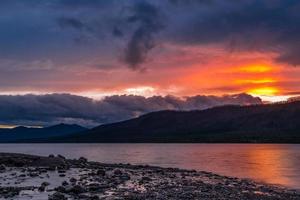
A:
x: 66, y: 31
x: 57, y: 108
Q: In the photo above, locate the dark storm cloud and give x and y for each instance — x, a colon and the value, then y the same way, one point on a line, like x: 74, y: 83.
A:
x: 271, y: 26
x: 140, y: 19
x: 148, y: 20
x: 79, y: 4
x: 137, y: 27
x: 56, y: 108
x: 237, y: 25
x: 188, y: 2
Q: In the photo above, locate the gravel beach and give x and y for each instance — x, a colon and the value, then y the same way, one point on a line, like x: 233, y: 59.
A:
x: 57, y: 178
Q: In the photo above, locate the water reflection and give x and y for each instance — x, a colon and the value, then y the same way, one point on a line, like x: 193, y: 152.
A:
x: 274, y: 164
x: 277, y: 164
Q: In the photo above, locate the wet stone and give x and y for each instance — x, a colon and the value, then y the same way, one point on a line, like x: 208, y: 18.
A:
x: 64, y: 183
x: 146, y: 179
x: 125, y: 177
x: 117, y: 172
x: 101, y: 172
x: 83, y: 159
x: 2, y: 167
x: 73, y: 180
x: 61, y: 189
x: 91, y: 180
x: 94, y: 198
x: 60, y: 156
x: 45, y: 184
x: 94, y: 187
x: 61, y: 171
x: 77, y: 189
x: 33, y: 174
x: 57, y: 196
x: 42, y: 188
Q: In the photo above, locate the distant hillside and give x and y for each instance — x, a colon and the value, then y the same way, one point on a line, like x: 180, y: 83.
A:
x: 21, y: 133
x: 278, y: 123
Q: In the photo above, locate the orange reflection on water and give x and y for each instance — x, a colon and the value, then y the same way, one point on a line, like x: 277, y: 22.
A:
x: 271, y: 163
x: 267, y: 164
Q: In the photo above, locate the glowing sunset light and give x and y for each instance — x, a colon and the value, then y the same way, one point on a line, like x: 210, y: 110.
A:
x: 256, y: 69
x: 89, y: 51
x: 256, y: 81
x: 7, y: 126
x: 264, y: 91
x: 271, y: 161
x: 144, y: 91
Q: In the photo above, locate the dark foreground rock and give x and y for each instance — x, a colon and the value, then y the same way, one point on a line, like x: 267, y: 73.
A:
x: 56, y: 178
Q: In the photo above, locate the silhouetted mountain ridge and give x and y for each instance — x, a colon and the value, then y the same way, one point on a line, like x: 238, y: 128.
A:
x: 278, y: 123
x: 27, y: 134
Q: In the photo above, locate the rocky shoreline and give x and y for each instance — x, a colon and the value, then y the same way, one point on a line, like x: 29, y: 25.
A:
x: 57, y: 178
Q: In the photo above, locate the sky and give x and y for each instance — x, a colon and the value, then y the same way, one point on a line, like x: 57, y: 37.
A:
x: 137, y: 50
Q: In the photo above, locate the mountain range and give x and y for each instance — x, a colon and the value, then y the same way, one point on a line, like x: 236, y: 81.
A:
x: 268, y: 123
x: 25, y: 134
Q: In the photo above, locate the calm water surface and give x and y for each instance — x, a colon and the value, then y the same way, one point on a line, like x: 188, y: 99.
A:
x: 271, y: 163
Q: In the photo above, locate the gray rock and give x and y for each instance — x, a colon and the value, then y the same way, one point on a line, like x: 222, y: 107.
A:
x: 42, y: 188
x: 45, y: 184
x: 2, y: 167
x: 64, y: 183
x: 117, y: 172
x: 57, y: 196
x: 101, y: 172
x: 60, y: 189
x: 83, y: 159
x: 125, y: 177
x: 60, y: 156
x: 77, y: 189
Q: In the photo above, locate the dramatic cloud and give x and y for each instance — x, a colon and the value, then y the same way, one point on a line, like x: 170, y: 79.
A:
x: 88, y: 46
x: 236, y: 25
x: 149, y: 20
x: 56, y: 108
x: 141, y: 19
x: 270, y: 26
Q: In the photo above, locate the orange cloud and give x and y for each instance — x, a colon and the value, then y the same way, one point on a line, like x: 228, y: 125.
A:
x: 264, y: 91
x: 255, y: 69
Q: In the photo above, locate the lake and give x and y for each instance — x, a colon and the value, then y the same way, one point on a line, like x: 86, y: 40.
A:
x: 270, y: 163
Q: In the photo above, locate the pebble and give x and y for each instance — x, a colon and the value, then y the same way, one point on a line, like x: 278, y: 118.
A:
x: 93, y: 181
x: 57, y: 196
x: 2, y: 167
